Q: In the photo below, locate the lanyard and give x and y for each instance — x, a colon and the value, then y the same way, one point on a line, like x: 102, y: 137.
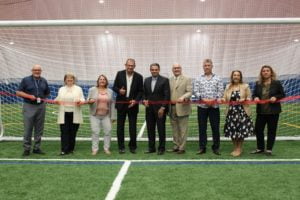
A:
x: 36, y: 83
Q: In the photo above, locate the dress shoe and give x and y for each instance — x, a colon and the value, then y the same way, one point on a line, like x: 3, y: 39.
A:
x: 268, y: 153
x: 26, y: 153
x: 121, y: 151
x: 216, y: 152
x: 147, y: 152
x: 180, y: 152
x: 257, y: 151
x: 172, y: 150
x: 132, y: 151
x: 201, y: 151
x: 38, y: 151
x: 160, y: 152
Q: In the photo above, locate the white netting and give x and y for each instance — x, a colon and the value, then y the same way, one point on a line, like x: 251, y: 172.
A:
x: 90, y: 51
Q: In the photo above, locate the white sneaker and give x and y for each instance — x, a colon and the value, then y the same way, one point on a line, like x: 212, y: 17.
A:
x: 106, y: 151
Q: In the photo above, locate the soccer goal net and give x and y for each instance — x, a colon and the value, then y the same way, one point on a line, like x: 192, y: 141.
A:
x: 91, y: 50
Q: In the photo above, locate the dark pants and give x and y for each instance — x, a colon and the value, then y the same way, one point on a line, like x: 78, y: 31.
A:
x: 261, y: 121
x: 214, y: 118
x: 132, y: 118
x: 152, y: 121
x: 68, y: 133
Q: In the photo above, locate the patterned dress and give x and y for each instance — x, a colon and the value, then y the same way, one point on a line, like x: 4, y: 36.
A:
x: 238, y: 125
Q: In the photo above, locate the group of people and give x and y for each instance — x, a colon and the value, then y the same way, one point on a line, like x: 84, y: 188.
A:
x: 161, y: 96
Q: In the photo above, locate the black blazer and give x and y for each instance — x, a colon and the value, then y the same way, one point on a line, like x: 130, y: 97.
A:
x: 276, y: 90
x: 136, y: 90
x: 161, y: 92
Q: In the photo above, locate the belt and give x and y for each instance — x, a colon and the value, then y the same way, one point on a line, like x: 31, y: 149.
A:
x: 34, y: 103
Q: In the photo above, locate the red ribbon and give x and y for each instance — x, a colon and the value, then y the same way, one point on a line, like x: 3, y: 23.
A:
x: 286, y: 99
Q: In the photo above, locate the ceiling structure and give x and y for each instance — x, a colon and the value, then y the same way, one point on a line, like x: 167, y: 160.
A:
x: 90, y: 51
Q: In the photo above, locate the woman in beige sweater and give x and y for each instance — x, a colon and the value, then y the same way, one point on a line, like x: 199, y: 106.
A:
x: 238, y: 124
x: 70, y: 98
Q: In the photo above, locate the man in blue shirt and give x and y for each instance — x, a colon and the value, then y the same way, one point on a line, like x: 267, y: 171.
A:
x: 208, y: 88
x: 33, y: 89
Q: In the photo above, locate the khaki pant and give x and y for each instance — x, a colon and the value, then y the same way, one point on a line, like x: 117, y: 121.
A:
x: 180, y: 129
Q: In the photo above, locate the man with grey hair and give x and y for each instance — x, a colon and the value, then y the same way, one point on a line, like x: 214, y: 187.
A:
x: 33, y: 89
x: 180, y: 108
x: 208, y: 88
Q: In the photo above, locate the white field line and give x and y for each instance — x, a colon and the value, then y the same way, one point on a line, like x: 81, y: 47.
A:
x: 111, y: 195
x: 142, y: 130
x: 158, y: 160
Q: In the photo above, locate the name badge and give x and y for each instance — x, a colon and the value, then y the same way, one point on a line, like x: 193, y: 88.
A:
x: 38, y: 100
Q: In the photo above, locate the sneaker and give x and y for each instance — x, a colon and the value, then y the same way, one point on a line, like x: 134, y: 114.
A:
x: 94, y: 152
x: 26, y: 153
x: 106, y: 151
x: 38, y: 151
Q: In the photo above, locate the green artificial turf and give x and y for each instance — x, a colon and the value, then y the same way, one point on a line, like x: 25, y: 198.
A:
x: 211, y: 182
x: 48, y: 182
x: 282, y: 149
x: 62, y: 179
x: 11, y: 114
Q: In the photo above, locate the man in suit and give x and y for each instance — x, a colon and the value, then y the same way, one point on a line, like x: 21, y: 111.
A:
x: 129, y: 88
x: 180, y: 109
x: 156, y: 99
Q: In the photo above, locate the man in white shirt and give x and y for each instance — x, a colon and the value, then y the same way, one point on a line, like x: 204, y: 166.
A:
x: 128, y: 85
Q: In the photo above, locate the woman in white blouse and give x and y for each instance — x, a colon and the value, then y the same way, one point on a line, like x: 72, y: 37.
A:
x: 102, y: 113
x: 70, y: 98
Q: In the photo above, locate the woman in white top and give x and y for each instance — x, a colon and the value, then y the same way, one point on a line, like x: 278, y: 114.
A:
x: 70, y: 98
x: 102, y: 113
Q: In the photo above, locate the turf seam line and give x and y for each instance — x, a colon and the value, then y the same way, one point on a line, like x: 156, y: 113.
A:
x: 118, y: 181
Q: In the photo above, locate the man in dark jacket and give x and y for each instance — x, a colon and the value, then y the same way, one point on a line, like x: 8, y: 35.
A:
x: 128, y: 85
x: 156, y: 99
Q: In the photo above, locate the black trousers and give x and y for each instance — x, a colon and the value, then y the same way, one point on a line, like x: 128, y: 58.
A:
x: 153, y: 121
x: 214, y: 118
x: 261, y: 121
x: 68, y: 133
x: 132, y: 118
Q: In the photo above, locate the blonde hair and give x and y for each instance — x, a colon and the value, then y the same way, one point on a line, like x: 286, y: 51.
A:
x: 273, y: 74
x: 69, y: 75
